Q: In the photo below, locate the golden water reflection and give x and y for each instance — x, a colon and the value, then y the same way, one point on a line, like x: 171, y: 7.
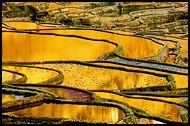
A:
x: 183, y: 43
x: 6, y: 97
x: 27, y: 47
x: 155, y: 108
x: 134, y: 47
x: 75, y: 4
x: 53, y: 5
x: 86, y: 77
x: 25, y: 25
x: 34, y: 75
x: 8, y: 76
x: 181, y: 81
x: 79, y: 112
x: 171, y: 59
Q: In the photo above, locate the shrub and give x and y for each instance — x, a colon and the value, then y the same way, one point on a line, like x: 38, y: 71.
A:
x: 67, y: 21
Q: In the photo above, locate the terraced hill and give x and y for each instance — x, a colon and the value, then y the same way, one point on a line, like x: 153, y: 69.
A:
x: 147, y: 17
x: 94, y: 62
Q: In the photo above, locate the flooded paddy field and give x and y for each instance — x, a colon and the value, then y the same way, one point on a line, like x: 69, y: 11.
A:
x: 56, y: 74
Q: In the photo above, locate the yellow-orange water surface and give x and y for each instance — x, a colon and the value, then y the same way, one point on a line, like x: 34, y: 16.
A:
x: 25, y: 25
x: 181, y: 81
x: 8, y: 76
x: 34, y: 75
x: 75, y: 4
x: 30, y: 3
x: 86, y: 77
x: 32, y: 47
x: 6, y: 97
x: 182, y: 42
x: 156, y: 108
x: 27, y: 47
x: 79, y: 112
x: 134, y: 47
x: 53, y: 5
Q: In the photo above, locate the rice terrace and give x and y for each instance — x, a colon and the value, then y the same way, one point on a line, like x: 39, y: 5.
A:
x: 95, y: 63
